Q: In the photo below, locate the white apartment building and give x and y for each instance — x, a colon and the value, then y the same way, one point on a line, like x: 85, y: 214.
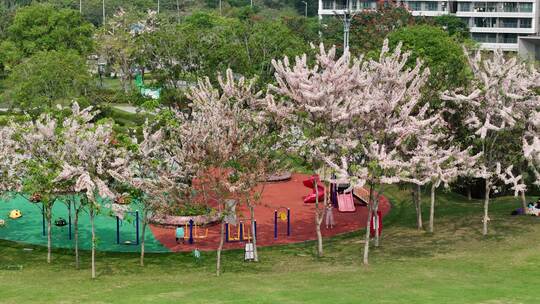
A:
x: 493, y: 24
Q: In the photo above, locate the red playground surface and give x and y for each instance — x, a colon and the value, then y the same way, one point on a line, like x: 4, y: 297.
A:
x: 289, y: 194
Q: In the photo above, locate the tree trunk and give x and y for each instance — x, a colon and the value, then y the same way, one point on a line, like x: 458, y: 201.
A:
x: 367, y: 237
x: 417, y: 199
x: 523, y: 202
x: 486, y: 207
x: 144, y: 223
x: 318, y: 220
x: 48, y: 214
x: 93, y: 243
x: 76, y: 226
x: 469, y: 192
x: 253, y: 234
x: 432, y: 209
x: 376, y: 219
x: 220, y: 248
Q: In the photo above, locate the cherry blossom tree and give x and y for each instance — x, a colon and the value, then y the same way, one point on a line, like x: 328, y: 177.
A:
x: 499, y: 102
x: 224, y: 130
x: 95, y: 151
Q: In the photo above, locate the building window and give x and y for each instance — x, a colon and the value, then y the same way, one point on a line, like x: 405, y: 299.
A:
x: 353, y: 5
x: 415, y: 5
x: 509, y: 22
x: 484, y: 37
x: 366, y: 4
x: 464, y: 6
x: 525, y: 23
x: 510, y: 7
x: 525, y: 7
x: 328, y: 4
x: 480, y: 7
x: 432, y: 6
x: 485, y: 22
x: 491, y: 7
x: 508, y: 38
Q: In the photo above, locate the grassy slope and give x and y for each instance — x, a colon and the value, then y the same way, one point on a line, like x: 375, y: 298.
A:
x: 455, y: 265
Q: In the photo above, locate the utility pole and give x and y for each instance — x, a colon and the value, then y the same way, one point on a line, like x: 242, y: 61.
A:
x: 305, y: 11
x: 80, y: 7
x: 103, y: 8
x: 178, y: 10
x: 347, y: 17
x: 220, y: 8
x: 158, y: 6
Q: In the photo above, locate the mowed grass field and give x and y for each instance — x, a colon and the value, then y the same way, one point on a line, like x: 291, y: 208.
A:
x: 453, y: 265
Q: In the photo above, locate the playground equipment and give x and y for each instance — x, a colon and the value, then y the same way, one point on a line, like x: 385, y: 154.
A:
x: 146, y: 92
x: 192, y: 232
x: 310, y: 183
x: 15, y: 214
x: 374, y: 224
x: 362, y: 194
x: 119, y: 222
x: 242, y: 234
x: 2, y: 223
x: 345, y: 202
x: 60, y: 222
x: 284, y: 215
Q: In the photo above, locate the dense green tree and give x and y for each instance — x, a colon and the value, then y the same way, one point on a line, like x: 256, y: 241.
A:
x: 455, y: 26
x: 370, y: 27
x: 441, y: 53
x: 204, y: 44
x: 47, y: 78
x: 41, y: 27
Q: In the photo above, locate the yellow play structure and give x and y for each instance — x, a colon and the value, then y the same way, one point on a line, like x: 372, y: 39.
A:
x: 243, y: 232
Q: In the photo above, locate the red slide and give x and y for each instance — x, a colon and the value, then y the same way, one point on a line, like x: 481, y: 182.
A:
x: 310, y: 199
x: 345, y: 202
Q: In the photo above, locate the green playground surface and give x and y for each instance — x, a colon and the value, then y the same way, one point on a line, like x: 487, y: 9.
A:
x: 28, y: 229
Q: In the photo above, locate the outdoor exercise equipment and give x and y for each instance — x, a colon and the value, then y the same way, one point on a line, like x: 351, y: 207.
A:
x: 242, y: 234
x: 2, y: 223
x: 145, y: 91
x: 192, y: 232
x: 15, y: 214
x: 119, y: 222
x: 373, y: 224
x: 282, y: 215
x: 310, y: 183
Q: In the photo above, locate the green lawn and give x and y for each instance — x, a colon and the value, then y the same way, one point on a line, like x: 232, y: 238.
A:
x: 454, y: 265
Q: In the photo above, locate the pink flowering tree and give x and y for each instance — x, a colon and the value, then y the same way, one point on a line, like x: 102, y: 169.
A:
x: 94, y: 151
x: 498, y: 103
x: 531, y: 145
x: 224, y: 135
x: 159, y: 178
x: 10, y: 160
x: 438, y: 163
x: 312, y: 103
x: 355, y: 115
